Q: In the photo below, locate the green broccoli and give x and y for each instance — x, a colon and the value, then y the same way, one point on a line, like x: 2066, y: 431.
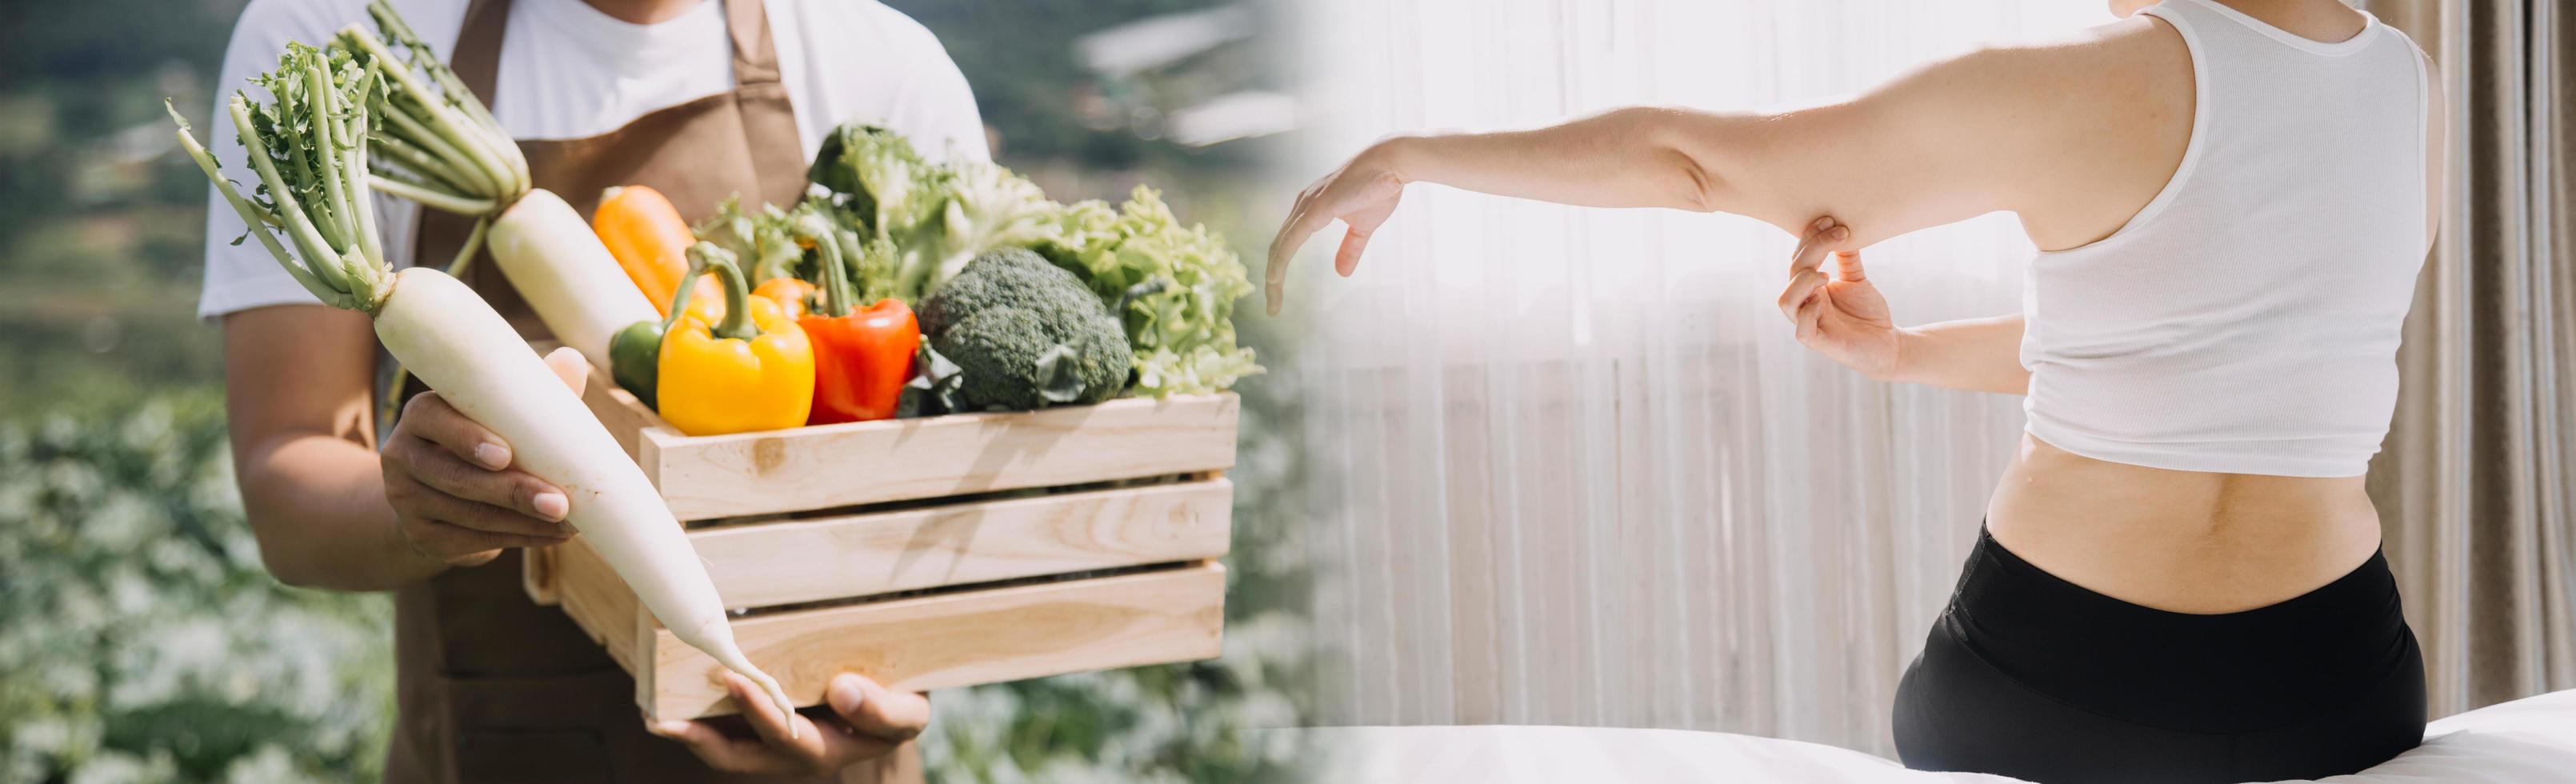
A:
x: 1023, y: 333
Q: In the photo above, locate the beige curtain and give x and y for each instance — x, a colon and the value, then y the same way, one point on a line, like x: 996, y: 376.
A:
x: 2477, y: 483
x: 1581, y: 473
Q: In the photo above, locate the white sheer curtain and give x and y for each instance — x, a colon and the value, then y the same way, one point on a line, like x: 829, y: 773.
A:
x: 1579, y: 472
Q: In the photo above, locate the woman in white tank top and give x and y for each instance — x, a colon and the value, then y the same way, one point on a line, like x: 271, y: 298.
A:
x: 2179, y: 578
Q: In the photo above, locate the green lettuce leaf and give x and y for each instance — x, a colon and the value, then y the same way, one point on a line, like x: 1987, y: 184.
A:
x: 1174, y: 288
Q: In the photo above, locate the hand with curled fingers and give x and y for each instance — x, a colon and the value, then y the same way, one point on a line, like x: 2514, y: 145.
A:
x: 1361, y: 194
x: 456, y: 499
x: 1840, y: 315
x: 860, y: 721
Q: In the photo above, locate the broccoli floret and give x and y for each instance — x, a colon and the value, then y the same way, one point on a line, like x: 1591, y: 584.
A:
x: 1025, y: 333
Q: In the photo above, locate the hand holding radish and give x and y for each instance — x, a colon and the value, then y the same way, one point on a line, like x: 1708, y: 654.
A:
x: 456, y: 498
x: 314, y: 150
x: 859, y: 721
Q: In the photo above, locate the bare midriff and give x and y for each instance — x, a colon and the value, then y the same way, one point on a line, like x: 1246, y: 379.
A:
x: 2180, y: 541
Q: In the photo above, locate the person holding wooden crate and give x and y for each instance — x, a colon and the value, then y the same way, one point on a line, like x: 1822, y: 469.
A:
x: 700, y: 99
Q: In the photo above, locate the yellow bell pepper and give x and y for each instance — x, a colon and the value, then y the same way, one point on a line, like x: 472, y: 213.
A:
x: 753, y: 370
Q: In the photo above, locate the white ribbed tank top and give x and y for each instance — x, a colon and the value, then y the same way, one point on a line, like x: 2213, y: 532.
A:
x: 2247, y: 319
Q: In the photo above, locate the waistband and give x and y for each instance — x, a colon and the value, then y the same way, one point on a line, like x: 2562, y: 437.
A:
x: 2227, y: 672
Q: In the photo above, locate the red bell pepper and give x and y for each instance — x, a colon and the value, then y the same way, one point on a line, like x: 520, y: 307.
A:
x: 861, y: 361
x: 862, y: 356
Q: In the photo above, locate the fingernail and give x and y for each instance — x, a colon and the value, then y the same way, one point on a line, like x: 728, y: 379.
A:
x: 550, y: 505
x: 492, y: 456
x: 846, y: 693
x: 669, y: 728
x: 1823, y: 222
x: 1841, y: 232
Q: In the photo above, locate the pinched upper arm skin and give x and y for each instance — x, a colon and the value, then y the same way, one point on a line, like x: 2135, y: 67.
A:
x: 1949, y: 141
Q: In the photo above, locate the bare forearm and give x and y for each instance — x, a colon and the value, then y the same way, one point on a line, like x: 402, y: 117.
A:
x: 1980, y: 355
x: 1784, y: 169
x: 1620, y: 158
x: 317, y: 504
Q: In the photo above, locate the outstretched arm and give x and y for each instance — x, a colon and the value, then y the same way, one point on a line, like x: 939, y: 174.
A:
x: 2074, y: 136
x: 1914, y: 153
x: 1947, y: 142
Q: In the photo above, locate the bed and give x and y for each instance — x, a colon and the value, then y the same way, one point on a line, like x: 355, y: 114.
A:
x: 2527, y: 741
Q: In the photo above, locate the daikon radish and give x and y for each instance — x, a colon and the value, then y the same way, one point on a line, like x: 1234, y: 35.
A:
x: 558, y: 265
x: 444, y: 150
x: 309, y: 148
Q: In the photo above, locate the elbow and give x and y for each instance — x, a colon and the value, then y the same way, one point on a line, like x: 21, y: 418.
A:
x: 302, y: 568
x: 296, y: 559
x: 1686, y: 178
x: 1698, y: 185
x: 278, y: 553
x: 291, y: 575
x: 284, y: 561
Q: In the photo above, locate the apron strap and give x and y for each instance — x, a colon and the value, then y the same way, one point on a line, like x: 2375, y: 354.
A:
x: 768, y: 118
x: 769, y: 126
x: 755, y: 56
x: 477, y: 59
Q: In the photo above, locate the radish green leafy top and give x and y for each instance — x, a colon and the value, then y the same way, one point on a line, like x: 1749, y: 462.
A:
x: 308, y: 147
x: 441, y: 146
x: 343, y: 121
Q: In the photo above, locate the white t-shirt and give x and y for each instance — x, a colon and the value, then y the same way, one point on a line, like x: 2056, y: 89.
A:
x: 568, y: 71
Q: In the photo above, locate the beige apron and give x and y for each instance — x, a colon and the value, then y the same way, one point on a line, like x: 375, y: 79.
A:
x: 494, y: 688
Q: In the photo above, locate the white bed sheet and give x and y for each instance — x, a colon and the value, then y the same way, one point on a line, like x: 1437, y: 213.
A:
x: 2527, y: 741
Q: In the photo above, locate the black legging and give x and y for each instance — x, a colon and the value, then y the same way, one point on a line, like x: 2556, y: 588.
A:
x: 2030, y: 676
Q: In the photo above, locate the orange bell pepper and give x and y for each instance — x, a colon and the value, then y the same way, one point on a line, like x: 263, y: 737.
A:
x: 789, y: 293
x: 650, y: 241
x: 862, y: 356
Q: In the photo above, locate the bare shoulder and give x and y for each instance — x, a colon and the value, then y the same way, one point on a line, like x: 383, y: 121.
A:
x: 2103, y: 64
x: 2125, y: 71
x: 2096, y: 122
x: 2137, y: 72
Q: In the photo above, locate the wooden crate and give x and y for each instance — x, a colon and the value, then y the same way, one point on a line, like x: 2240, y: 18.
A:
x: 925, y: 553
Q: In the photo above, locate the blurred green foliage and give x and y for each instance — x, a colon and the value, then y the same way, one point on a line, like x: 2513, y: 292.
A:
x: 145, y: 643
x: 141, y: 641
x: 99, y: 237
x: 1033, y: 90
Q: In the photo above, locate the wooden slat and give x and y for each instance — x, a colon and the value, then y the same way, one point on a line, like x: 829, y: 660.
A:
x: 637, y: 428
x: 768, y: 564
x: 961, y: 639
x: 537, y: 574
x: 599, y: 602
x: 893, y: 460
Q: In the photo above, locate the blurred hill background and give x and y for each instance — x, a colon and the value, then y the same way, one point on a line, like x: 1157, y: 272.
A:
x: 141, y: 641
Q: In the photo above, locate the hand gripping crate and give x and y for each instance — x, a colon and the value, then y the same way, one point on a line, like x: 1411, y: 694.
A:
x: 925, y: 553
